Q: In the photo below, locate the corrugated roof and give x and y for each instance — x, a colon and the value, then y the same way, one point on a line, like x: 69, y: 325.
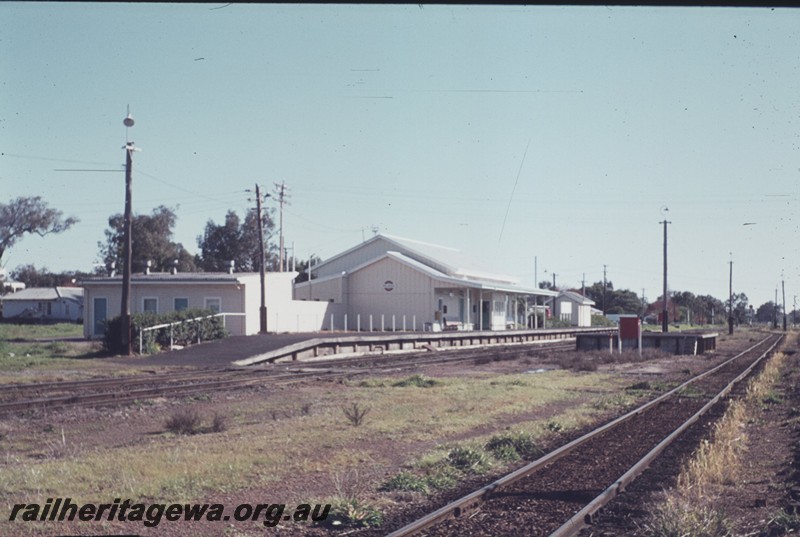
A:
x: 444, y: 278
x: 449, y: 261
x: 457, y: 263
x: 577, y: 297
x: 46, y: 293
x: 181, y: 277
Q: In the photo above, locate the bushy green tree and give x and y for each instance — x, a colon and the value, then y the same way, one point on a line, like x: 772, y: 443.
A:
x: 151, y: 240
x: 235, y: 241
x: 767, y: 312
x: 616, y: 300
x: 32, y: 276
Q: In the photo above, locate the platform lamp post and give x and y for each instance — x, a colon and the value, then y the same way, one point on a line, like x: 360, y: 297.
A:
x: 125, y: 314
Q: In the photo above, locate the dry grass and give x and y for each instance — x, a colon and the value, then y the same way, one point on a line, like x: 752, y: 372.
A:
x: 256, y: 451
x: 689, y: 509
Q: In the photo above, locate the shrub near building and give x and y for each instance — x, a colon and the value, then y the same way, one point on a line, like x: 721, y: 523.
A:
x: 184, y: 331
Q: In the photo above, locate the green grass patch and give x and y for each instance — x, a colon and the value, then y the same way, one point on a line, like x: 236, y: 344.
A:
x: 406, y: 481
x: 513, y: 446
x: 772, y: 398
x: 40, y: 331
x: 417, y: 381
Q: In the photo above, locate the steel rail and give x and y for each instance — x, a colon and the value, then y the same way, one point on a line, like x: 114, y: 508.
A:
x: 173, y: 378
x: 470, y: 502
x: 583, y: 518
x: 106, y: 381
x: 165, y: 390
x: 179, y: 383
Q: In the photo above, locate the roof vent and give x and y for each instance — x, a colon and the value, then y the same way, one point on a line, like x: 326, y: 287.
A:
x: 232, y: 265
x: 175, y: 266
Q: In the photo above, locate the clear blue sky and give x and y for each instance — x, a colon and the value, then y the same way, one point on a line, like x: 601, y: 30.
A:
x: 416, y: 120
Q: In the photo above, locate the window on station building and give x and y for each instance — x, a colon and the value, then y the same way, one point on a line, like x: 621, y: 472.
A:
x: 214, y: 304
x: 150, y: 304
x: 181, y: 304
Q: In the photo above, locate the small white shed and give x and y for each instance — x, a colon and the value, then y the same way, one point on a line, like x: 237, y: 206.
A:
x: 574, y: 308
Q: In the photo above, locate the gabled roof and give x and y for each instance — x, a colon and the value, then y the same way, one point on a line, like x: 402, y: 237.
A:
x: 46, y: 293
x: 445, y: 279
x: 446, y: 260
x: 577, y: 297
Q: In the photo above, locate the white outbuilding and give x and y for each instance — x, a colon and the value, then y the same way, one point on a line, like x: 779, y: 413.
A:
x: 574, y: 308
x: 392, y: 283
x: 236, y: 295
x: 44, y: 304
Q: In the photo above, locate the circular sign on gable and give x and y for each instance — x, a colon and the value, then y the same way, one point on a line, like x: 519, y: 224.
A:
x: 388, y: 285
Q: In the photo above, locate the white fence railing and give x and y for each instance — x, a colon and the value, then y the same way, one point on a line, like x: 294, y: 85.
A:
x: 173, y: 324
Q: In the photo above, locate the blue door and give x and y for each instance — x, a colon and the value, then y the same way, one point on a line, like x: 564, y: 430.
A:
x: 100, y: 315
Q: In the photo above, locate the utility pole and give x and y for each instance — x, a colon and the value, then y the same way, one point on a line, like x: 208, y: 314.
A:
x: 536, y: 297
x: 644, y: 303
x: 583, y: 285
x: 125, y: 313
x: 553, y: 313
x: 604, y: 290
x: 665, y: 318
x: 775, y: 316
x: 730, y: 298
x: 280, y: 190
x: 262, y: 311
x: 783, y: 291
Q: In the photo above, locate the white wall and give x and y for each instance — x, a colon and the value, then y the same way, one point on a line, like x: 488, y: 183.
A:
x: 231, y: 297
x: 60, y: 309
x: 324, y: 291
x: 363, y: 253
x: 284, y: 314
x: 411, y: 295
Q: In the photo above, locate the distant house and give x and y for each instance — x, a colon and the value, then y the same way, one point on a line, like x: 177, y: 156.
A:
x: 393, y: 283
x: 44, y: 304
x: 656, y: 309
x: 238, y: 294
x: 574, y: 308
x: 7, y: 285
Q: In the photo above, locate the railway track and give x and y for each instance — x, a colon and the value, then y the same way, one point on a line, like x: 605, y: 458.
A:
x: 15, y: 398
x: 558, y: 494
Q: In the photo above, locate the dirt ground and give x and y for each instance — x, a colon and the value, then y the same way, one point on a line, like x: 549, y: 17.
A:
x: 30, y: 438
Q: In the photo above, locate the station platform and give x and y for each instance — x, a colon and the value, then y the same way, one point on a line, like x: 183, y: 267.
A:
x: 258, y: 349
x: 691, y: 343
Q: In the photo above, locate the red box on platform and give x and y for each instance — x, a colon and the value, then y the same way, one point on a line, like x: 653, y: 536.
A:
x: 629, y: 327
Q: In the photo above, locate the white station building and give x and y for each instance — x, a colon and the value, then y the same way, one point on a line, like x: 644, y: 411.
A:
x: 391, y: 283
